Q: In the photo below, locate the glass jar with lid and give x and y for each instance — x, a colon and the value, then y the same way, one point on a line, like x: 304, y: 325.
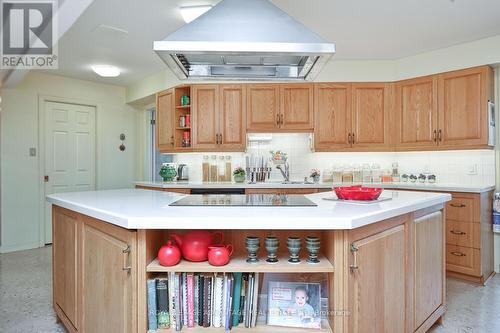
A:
x: 205, y: 167
x: 357, y: 174
x: 376, y: 173
x: 367, y: 173
x: 386, y: 176
x: 347, y: 174
x: 337, y: 174
x: 214, y: 170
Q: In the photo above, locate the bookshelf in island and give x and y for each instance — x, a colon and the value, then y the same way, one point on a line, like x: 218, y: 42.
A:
x: 381, y: 267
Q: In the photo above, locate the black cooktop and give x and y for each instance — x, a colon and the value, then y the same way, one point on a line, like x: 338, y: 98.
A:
x: 280, y: 200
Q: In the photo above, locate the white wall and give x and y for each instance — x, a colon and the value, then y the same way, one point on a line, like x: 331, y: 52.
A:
x: 20, y: 199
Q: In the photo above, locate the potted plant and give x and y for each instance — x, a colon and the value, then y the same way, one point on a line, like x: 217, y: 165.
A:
x: 315, y: 174
x: 431, y: 178
x: 422, y: 178
x: 404, y: 177
x: 413, y: 178
x: 239, y: 175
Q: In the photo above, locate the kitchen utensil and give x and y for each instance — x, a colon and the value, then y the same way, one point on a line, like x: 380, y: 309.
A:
x: 252, y: 244
x: 357, y: 192
x: 183, y: 172
x: 169, y: 254
x: 294, y: 244
x: 272, y: 244
x: 219, y: 254
x: 312, y: 245
x: 194, y: 244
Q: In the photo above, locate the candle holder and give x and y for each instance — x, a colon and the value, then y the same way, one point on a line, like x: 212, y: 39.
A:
x: 252, y: 244
x: 272, y: 244
x: 313, y: 245
x: 294, y: 244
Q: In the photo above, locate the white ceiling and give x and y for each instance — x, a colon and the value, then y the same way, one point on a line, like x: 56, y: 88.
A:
x: 361, y: 29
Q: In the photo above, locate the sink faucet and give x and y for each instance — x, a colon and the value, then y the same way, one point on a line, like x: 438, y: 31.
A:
x: 285, y: 173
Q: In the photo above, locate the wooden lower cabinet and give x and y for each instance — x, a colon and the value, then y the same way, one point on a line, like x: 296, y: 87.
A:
x: 397, y: 274
x: 281, y: 191
x: 95, y: 274
x: 174, y: 190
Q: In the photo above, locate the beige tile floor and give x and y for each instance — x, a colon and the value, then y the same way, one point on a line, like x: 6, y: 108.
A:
x: 26, y: 296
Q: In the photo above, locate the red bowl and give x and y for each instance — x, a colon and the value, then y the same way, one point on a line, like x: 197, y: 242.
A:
x: 357, y: 192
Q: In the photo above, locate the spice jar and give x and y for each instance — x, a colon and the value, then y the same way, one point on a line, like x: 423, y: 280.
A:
x: 367, y: 173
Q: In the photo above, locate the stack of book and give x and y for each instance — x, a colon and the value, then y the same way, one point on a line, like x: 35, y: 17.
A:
x: 203, y: 299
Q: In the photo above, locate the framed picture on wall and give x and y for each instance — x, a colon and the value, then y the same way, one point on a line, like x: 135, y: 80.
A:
x: 294, y: 304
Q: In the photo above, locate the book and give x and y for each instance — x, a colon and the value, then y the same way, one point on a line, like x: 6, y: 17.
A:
x: 171, y: 299
x: 229, y: 301
x: 196, y: 298
x: 243, y: 304
x: 152, y: 323
x: 218, y: 300
x: 190, y: 299
x: 236, y: 299
x: 255, y: 300
x: 184, y: 300
x: 178, y: 305
x: 207, y: 300
x: 163, y: 316
x: 200, y: 300
x: 224, y: 300
x: 249, y: 299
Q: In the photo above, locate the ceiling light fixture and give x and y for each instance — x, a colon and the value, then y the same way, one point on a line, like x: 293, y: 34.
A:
x: 106, y: 70
x: 191, y: 13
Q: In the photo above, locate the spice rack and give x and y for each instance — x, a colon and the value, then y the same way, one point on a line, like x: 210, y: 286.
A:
x: 183, y: 135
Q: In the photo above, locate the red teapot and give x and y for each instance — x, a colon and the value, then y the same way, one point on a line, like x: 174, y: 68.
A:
x: 219, y: 254
x: 194, y: 244
x: 169, y: 254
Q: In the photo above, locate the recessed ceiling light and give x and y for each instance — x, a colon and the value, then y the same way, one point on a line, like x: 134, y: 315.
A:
x: 106, y: 70
x: 191, y: 13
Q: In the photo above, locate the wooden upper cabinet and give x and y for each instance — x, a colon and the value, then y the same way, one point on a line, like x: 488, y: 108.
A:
x: 296, y: 107
x: 263, y: 107
x: 370, y: 115
x: 463, y: 104
x: 205, y: 110
x: 417, y: 115
x: 165, y: 123
x: 232, y: 117
x: 332, y: 115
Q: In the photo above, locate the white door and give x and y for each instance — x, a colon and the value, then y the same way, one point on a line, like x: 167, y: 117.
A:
x: 69, y: 152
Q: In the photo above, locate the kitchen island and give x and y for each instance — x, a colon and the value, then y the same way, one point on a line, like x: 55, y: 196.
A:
x: 383, y: 262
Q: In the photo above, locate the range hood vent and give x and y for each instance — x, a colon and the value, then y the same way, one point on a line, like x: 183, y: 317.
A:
x: 244, y: 39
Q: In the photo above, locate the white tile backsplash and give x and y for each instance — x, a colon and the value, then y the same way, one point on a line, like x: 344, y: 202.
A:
x: 448, y: 166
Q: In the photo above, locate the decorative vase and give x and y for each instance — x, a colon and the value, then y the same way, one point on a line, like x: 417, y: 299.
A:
x: 239, y: 178
x: 294, y: 244
x: 168, y: 172
x: 252, y: 244
x: 272, y: 244
x: 312, y: 245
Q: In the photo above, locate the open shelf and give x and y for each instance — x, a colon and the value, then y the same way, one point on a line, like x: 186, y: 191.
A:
x: 183, y: 107
x: 183, y: 128
x: 260, y: 328
x: 238, y: 264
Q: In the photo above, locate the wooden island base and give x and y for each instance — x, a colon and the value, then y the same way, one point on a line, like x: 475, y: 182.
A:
x: 388, y: 276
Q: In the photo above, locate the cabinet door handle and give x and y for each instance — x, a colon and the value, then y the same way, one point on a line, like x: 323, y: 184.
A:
x: 126, y: 252
x: 281, y: 120
x: 353, y: 138
x: 349, y: 138
x: 455, y: 232
x: 220, y: 138
x: 127, y: 269
x: 434, y: 136
x: 278, y: 119
x: 440, y: 135
x: 127, y: 249
x: 354, y: 251
x: 458, y: 254
x: 461, y: 205
x: 172, y: 140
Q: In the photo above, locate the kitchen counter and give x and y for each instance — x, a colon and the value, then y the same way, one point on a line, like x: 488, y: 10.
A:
x: 438, y: 187
x: 148, y: 209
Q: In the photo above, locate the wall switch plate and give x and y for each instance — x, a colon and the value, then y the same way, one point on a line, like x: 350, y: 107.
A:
x: 32, y: 151
x: 472, y: 169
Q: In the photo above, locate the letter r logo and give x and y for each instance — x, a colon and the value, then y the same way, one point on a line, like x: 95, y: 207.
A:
x: 27, y: 27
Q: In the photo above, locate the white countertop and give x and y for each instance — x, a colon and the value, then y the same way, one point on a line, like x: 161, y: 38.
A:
x: 149, y: 209
x: 438, y: 187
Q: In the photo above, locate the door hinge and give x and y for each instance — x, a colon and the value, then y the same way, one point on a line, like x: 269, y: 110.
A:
x: 46, y: 178
x: 153, y: 122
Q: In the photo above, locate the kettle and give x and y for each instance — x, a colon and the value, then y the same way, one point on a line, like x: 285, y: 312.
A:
x: 182, y: 172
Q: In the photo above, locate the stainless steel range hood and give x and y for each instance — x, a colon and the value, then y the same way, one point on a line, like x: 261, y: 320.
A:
x: 245, y: 39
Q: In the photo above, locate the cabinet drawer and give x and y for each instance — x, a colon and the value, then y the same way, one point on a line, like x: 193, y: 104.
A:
x: 463, y: 234
x: 465, y: 260
x: 460, y: 209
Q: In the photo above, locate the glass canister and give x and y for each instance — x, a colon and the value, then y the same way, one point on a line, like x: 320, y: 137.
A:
x: 221, y: 169
x: 214, y: 172
x: 337, y: 174
x: 229, y: 168
x: 386, y: 176
x: 347, y: 174
x: 367, y: 173
x: 357, y: 174
x: 376, y: 173
x: 327, y: 176
x: 205, y: 167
